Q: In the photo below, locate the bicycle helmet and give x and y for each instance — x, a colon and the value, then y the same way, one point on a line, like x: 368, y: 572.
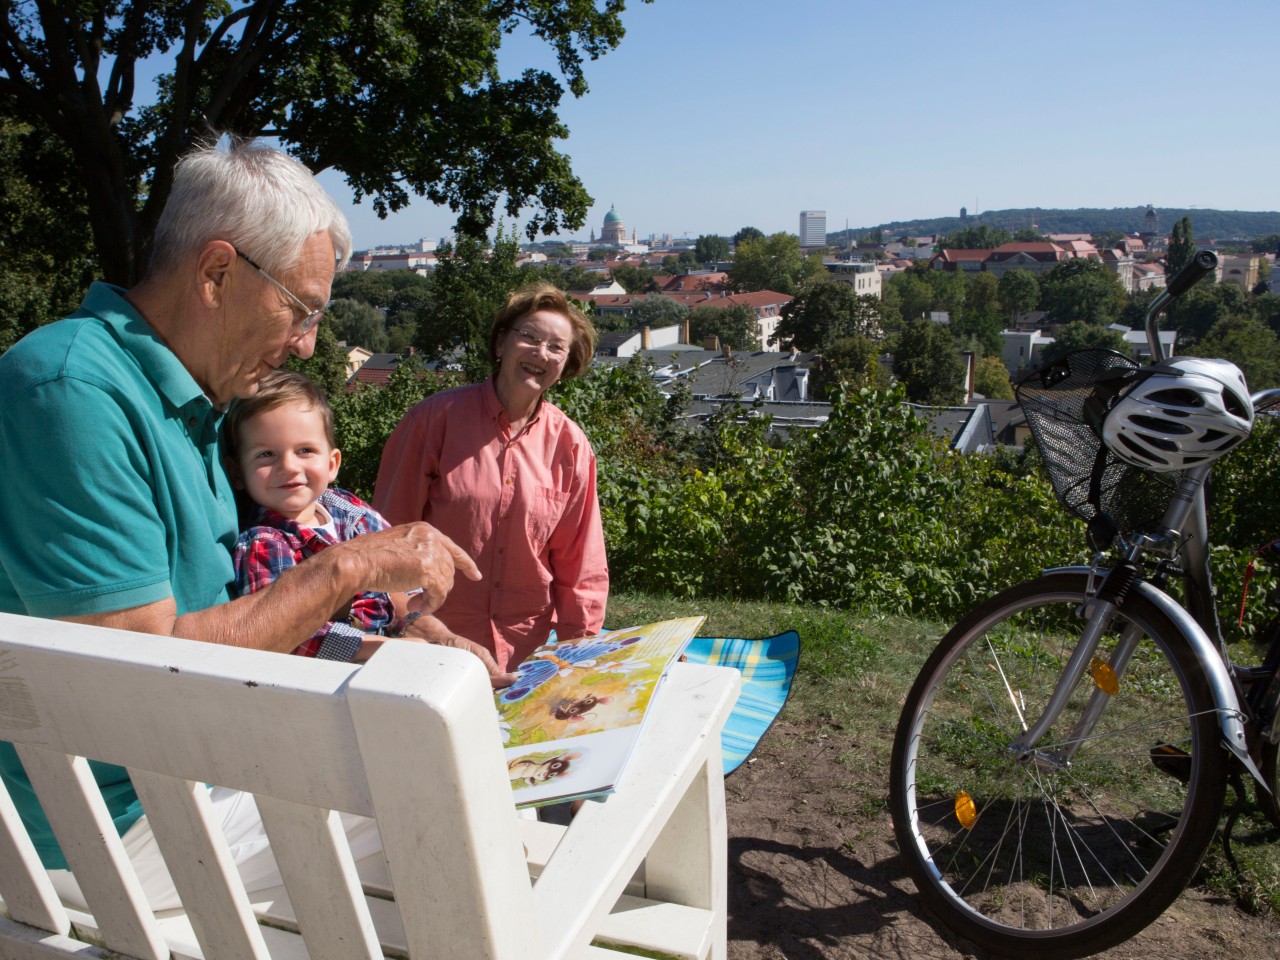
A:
x: 1181, y: 413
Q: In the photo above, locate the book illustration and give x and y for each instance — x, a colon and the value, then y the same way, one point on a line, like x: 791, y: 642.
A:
x: 535, y: 769
x: 562, y: 660
x: 569, y: 721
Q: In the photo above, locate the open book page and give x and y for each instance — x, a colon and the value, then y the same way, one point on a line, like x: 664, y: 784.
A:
x: 572, y: 716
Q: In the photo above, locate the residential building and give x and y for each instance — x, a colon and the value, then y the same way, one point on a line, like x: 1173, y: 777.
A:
x: 1148, y: 275
x: 1021, y: 350
x: 1039, y: 258
x: 813, y: 228
x: 419, y: 262
x: 1242, y: 270
x: 864, y: 278
x: 968, y: 261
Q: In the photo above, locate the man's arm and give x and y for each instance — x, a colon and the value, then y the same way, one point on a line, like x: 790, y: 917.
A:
x: 402, y: 558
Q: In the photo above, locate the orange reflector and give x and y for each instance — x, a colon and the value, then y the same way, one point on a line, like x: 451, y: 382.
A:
x: 1104, y: 677
x: 966, y: 810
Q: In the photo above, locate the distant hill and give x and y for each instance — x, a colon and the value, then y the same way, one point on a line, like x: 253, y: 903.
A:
x: 1207, y: 224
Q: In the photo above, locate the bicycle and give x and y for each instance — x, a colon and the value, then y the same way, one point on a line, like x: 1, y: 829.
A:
x: 1058, y: 769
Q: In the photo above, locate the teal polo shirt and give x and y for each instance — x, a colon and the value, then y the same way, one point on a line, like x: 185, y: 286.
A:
x: 114, y: 496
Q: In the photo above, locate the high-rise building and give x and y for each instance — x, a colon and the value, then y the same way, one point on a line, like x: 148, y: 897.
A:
x: 813, y: 228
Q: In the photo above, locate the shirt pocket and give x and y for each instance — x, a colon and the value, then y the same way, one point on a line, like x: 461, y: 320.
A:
x: 544, y: 513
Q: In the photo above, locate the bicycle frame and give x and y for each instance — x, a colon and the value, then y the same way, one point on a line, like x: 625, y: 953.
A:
x: 1183, y: 533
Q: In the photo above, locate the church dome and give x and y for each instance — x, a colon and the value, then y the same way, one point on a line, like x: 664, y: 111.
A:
x: 612, y: 216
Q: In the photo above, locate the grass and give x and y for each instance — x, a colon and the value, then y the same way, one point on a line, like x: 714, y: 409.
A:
x: 854, y: 672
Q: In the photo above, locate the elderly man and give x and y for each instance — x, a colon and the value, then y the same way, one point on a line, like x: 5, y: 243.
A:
x: 117, y: 510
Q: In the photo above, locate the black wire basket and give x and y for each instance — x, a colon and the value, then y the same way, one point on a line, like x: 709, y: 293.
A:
x: 1065, y: 403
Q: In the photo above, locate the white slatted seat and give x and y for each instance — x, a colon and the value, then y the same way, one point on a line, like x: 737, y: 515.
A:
x: 409, y: 739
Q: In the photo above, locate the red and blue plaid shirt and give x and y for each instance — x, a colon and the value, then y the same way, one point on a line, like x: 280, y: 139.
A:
x: 275, y: 543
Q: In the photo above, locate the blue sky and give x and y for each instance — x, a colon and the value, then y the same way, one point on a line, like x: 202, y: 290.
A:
x: 717, y: 114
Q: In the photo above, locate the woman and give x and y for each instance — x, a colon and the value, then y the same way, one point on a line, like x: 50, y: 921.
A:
x: 512, y: 481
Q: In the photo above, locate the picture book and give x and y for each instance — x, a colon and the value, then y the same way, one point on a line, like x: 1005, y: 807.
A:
x: 572, y: 716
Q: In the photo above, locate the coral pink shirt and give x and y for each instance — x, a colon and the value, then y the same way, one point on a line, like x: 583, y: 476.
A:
x: 523, y: 507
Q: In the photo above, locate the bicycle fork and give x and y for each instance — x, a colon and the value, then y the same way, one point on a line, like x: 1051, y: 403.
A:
x: 1082, y: 662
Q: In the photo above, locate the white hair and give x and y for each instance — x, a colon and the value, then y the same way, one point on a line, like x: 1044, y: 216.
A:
x: 254, y: 196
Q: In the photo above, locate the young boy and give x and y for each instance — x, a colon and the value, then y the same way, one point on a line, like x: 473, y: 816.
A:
x: 280, y: 444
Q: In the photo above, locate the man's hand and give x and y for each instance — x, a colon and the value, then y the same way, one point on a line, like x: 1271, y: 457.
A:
x: 407, y: 557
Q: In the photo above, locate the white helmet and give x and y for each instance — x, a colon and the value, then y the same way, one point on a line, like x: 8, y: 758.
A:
x: 1184, y: 412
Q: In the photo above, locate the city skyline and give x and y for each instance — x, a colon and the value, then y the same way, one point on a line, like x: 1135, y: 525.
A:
x: 715, y: 115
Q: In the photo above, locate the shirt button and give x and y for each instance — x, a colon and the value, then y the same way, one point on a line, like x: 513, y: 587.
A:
x: 496, y: 584
x: 192, y: 423
x: 501, y: 550
x: 510, y: 481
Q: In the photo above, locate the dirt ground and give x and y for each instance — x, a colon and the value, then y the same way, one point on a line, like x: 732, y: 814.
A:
x: 815, y: 875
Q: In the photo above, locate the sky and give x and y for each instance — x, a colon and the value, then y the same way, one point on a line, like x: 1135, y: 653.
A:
x: 712, y: 115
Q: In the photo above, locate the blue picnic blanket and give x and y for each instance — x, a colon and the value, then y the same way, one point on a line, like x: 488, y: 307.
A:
x: 768, y: 666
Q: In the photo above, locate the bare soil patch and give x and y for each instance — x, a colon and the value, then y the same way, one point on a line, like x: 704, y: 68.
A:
x: 814, y: 870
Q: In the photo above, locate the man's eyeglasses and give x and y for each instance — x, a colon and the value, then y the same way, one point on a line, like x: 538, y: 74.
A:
x: 555, y: 348
x: 310, y: 316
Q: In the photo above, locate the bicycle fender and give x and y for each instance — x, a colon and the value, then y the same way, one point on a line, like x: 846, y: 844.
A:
x: 1230, y: 716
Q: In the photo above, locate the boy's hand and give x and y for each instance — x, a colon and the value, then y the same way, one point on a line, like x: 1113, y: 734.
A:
x: 430, y: 630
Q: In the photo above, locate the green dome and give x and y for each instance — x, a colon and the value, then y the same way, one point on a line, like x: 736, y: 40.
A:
x: 612, y: 216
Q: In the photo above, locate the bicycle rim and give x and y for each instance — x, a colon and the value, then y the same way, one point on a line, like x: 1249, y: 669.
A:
x: 1064, y: 858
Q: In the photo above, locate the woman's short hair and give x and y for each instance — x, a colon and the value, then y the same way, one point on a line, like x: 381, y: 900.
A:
x: 261, y: 200
x: 530, y: 299
x: 277, y: 389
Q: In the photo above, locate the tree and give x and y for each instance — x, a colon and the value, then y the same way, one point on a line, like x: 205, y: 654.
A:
x: 1082, y: 289
x: 926, y: 363
x: 634, y: 279
x: 468, y: 286
x: 572, y: 278
x: 852, y: 361
x: 602, y: 253
x: 913, y: 293
x: 1028, y: 235
x: 1204, y: 306
x: 327, y: 364
x: 747, y: 233
x: 1249, y: 345
x: 44, y: 247
x: 827, y: 311
x: 1182, y: 247
x: 1080, y: 334
x: 735, y: 325
x: 776, y: 262
x: 991, y: 379
x: 359, y: 324
x: 658, y: 311
x: 401, y: 97
x: 981, y: 236
x: 1268, y: 244
x: 1019, y: 292
x: 710, y: 248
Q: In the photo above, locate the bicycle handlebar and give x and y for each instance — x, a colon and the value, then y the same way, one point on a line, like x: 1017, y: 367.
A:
x: 1204, y: 262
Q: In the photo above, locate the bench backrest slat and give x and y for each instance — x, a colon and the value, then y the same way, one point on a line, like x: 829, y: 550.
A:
x: 28, y: 895
x: 203, y: 872
x: 311, y: 849
x: 84, y: 829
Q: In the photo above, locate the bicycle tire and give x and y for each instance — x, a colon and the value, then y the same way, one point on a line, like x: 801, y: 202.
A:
x: 1269, y: 804
x: 1055, y: 863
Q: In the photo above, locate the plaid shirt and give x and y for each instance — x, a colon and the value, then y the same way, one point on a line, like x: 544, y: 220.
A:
x: 276, y: 543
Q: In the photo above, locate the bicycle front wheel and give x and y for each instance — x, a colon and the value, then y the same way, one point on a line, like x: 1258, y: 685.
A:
x: 1081, y: 845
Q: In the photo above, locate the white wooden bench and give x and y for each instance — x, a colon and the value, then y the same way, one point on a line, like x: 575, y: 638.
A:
x: 410, y: 739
